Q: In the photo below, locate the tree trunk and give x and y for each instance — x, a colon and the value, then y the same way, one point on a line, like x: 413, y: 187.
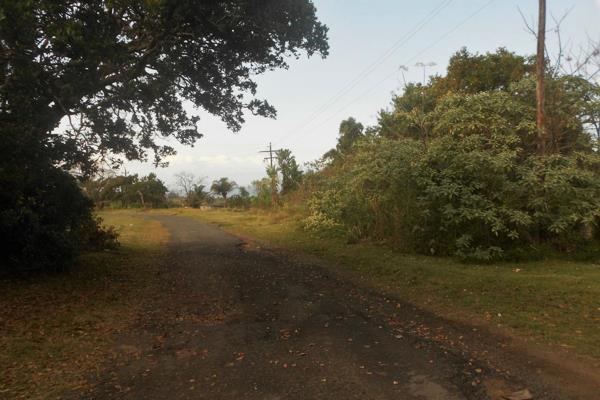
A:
x: 142, y: 199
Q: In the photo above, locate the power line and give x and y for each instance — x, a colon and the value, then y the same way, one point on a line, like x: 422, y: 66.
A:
x: 370, y: 68
x: 387, y: 77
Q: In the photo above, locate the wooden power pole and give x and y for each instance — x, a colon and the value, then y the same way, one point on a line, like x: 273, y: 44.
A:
x: 540, y: 84
x: 270, y: 157
x: 272, y: 173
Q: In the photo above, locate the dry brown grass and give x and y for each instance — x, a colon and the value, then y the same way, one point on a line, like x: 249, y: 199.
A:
x: 56, y: 330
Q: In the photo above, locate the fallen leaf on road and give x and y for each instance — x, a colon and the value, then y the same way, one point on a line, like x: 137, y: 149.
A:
x: 524, y: 394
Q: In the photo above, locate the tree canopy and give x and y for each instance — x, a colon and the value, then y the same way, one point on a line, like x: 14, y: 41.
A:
x: 120, y: 71
x: 291, y: 175
x: 127, y: 191
x: 350, y: 131
x: 223, y: 187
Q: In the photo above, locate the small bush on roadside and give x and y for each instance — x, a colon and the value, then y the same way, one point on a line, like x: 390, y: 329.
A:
x: 325, y: 211
x: 238, y: 201
x: 44, y: 221
x: 96, y: 236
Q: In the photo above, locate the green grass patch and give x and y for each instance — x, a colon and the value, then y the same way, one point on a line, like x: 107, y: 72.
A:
x: 56, y: 330
x: 554, y: 300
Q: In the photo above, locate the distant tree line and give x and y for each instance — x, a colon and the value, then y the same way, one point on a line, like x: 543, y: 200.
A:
x: 126, y: 191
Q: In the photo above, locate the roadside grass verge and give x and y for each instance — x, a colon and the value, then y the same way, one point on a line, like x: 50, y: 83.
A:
x: 56, y: 330
x: 554, y: 301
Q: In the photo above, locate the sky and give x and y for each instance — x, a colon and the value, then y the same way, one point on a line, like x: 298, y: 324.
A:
x: 369, y: 40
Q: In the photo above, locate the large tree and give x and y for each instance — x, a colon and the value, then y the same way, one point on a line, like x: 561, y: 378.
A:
x: 291, y: 174
x: 350, y: 132
x: 116, y: 74
x: 119, y: 72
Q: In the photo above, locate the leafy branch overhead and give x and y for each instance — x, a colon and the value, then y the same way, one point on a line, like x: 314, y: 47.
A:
x: 121, y: 71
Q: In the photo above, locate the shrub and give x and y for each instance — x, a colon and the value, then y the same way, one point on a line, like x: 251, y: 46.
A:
x: 466, y: 189
x: 262, y: 193
x: 44, y: 220
x: 325, y: 211
x: 238, y: 201
x: 562, y: 195
x: 382, y: 188
x: 94, y: 235
x: 473, y: 196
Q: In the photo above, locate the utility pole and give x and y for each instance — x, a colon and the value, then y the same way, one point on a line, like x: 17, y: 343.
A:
x: 272, y: 173
x: 271, y: 152
x: 424, y: 66
x: 540, y: 84
x: 422, y: 117
x: 402, y: 69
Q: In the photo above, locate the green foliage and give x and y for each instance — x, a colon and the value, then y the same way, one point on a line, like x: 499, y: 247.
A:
x: 197, y: 196
x: 240, y: 200
x: 150, y: 191
x: 407, y: 119
x: 569, y: 110
x: 325, y: 211
x: 262, y: 193
x: 97, y: 236
x: 561, y: 194
x: 466, y: 74
x: 222, y: 187
x: 465, y: 196
x: 465, y: 186
x: 126, y: 68
x: 127, y: 191
x: 474, y: 73
x: 44, y: 221
x: 452, y: 168
x: 291, y: 175
x: 350, y: 133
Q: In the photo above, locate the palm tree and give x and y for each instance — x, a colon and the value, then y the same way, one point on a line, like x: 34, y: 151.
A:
x: 222, y: 187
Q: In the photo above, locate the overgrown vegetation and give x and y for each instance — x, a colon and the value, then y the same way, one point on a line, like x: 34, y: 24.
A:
x: 50, y: 225
x: 126, y: 191
x: 452, y: 168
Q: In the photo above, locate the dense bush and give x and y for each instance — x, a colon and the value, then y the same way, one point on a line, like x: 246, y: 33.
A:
x: 562, y: 195
x: 198, y: 197
x: 240, y: 200
x: 453, y: 169
x: 464, y: 201
x: 326, y: 209
x: 44, y: 220
x: 262, y: 193
x: 127, y: 191
x: 468, y: 197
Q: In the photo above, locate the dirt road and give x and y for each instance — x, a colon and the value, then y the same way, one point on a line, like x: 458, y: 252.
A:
x: 239, y: 323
